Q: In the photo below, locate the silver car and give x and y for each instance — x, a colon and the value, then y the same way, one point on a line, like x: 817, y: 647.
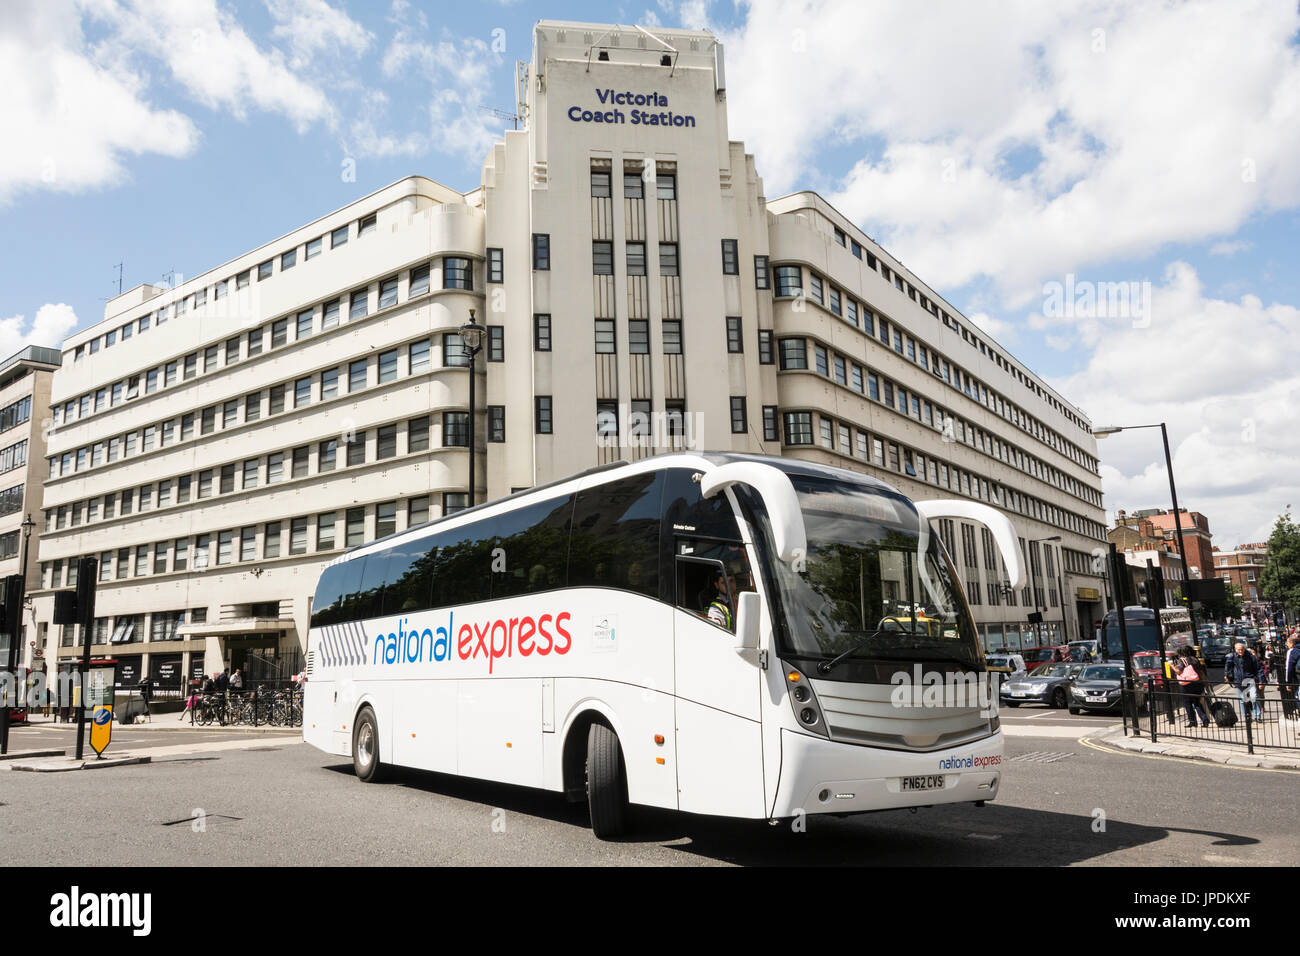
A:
x: 1046, y: 684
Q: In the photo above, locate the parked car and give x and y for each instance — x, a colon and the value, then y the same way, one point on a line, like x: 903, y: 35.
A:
x: 1215, y: 649
x: 1097, y: 688
x: 1005, y: 663
x: 1046, y: 684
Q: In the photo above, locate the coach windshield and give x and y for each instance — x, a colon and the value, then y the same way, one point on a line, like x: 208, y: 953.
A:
x: 875, y: 586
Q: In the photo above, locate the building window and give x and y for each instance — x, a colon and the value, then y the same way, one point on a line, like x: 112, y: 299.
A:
x: 672, y: 336
x: 339, y: 237
x: 329, y: 384
x: 357, y: 449
x: 360, y: 303
x: 798, y: 428
x: 762, y: 279
x: 541, y: 251
x: 668, y: 259
x: 368, y: 225
x: 496, y: 344
x: 304, y: 324
x: 638, y: 335
x: 542, y: 414
x: 250, y: 473
x: 765, y: 352
x: 735, y: 340
x: 495, y: 267
x: 255, y: 341
x: 298, y: 536
x: 418, y: 356
x: 385, y: 519
x: 327, y: 455
x: 666, y: 186
x: 730, y: 258
x: 301, y: 457
x: 417, y: 434
x: 419, y: 281
x: 602, y: 258
x: 302, y: 392
x: 794, y: 354
x: 454, y: 353
x: 789, y: 280
x: 386, y: 443
x: 271, y: 540
x: 357, y: 375
x: 769, y: 423
x: 455, y: 429
x: 605, y: 344
x: 739, y: 420
x: 542, y: 332
x: 496, y: 423
x: 388, y: 366
x: 314, y: 248
x: 288, y: 259
x: 417, y: 511
x: 279, y: 333
x: 325, y: 531
x: 635, y: 252
x: 264, y: 269
x: 633, y: 185
x: 388, y: 292
x: 354, y: 531
x: 274, y: 470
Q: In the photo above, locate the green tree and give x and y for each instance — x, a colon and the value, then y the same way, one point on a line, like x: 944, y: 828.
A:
x: 1232, y: 600
x: 1280, y: 581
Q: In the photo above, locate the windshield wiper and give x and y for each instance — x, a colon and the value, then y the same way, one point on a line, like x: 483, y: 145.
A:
x: 825, y: 667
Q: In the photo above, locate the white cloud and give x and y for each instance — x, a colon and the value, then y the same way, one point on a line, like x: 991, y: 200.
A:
x: 1231, y: 248
x: 1092, y: 96
x: 72, y: 118
x: 1223, y: 376
x: 52, y: 323
x: 454, y: 73
x: 313, y: 28
x: 209, y: 54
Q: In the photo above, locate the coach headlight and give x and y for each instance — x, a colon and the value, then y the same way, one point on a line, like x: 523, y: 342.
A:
x: 803, y: 700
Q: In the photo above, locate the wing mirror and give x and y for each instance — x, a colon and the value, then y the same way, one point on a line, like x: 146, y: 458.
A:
x: 749, y: 612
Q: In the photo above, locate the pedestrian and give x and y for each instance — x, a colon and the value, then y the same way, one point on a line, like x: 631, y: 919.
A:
x: 236, y: 681
x: 223, y: 683
x: 1192, y: 688
x: 1241, y: 670
x: 1290, y: 679
x: 210, y: 684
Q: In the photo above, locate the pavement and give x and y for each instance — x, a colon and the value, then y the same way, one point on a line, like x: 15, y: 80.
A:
x: 1229, y: 754
x: 162, y: 723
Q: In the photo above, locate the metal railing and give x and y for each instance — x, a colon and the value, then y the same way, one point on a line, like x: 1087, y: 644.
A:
x: 1219, y: 716
x: 263, y: 706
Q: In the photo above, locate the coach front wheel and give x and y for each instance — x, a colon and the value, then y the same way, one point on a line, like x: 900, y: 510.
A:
x: 606, y: 783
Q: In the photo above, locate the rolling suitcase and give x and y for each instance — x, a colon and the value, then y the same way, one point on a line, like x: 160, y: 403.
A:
x: 1223, y: 714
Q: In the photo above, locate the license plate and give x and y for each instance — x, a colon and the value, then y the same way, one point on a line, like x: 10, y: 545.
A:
x: 1017, y: 693
x: 921, y: 783
x: 1096, y: 696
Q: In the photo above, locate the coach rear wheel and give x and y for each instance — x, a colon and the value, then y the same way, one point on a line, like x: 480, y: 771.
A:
x: 606, y: 783
x: 365, y: 747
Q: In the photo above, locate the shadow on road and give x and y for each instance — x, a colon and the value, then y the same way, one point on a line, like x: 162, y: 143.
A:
x: 960, y: 835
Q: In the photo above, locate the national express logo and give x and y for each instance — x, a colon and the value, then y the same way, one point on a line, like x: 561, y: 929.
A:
x: 490, y: 640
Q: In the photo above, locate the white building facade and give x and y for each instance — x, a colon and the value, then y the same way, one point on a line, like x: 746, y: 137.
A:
x: 640, y: 295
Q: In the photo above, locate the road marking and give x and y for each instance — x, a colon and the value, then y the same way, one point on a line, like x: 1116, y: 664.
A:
x: 1040, y: 730
x: 1094, y: 745
x: 1044, y: 756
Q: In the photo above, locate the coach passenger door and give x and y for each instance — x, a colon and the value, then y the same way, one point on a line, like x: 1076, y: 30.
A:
x: 719, y: 733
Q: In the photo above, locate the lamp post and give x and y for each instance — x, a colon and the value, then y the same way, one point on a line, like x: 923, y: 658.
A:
x: 471, y: 336
x: 1173, y: 495
x: 1034, y: 585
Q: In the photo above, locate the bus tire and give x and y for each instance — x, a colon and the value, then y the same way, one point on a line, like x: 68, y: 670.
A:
x: 606, y: 783
x: 365, y: 747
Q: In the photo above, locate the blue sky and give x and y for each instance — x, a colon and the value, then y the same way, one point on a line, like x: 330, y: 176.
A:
x: 1134, y: 142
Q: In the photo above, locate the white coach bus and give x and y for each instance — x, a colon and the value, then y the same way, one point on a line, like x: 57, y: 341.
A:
x: 734, y: 635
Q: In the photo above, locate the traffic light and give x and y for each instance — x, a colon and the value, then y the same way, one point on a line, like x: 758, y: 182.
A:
x: 11, y: 611
x: 1142, y: 593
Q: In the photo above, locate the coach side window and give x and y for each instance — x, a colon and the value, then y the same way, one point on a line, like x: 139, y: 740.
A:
x: 531, y: 550
x: 462, y: 566
x: 335, y: 584
x: 615, y: 541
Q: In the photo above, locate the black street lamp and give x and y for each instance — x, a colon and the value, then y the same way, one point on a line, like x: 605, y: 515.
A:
x: 1173, y: 495
x: 471, y: 336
